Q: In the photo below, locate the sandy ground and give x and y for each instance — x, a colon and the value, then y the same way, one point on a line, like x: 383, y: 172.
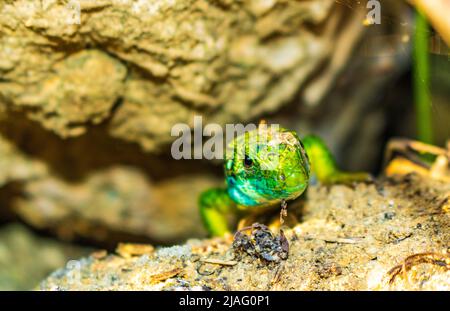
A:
x: 349, y: 238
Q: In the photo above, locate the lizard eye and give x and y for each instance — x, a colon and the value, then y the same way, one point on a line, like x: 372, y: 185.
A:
x: 247, y: 161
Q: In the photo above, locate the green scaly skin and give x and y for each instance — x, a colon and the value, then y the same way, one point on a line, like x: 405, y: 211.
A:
x: 265, y: 167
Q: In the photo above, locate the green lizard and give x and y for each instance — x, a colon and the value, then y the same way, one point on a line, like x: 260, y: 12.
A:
x: 266, y: 167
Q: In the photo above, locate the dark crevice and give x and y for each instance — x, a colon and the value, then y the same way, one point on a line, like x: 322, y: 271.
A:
x: 73, y: 159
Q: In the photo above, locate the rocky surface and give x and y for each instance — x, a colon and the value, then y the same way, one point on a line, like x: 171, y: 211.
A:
x: 110, y: 193
x: 146, y: 66
x: 350, y: 238
x: 153, y: 65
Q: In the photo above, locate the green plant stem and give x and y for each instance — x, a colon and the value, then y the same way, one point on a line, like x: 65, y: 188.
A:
x: 421, y: 76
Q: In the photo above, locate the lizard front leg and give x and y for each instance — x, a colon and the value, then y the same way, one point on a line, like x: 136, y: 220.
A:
x: 215, y: 205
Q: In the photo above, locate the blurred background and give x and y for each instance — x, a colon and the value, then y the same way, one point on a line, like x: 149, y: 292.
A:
x: 90, y: 90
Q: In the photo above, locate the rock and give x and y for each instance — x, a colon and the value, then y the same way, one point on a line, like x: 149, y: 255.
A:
x: 147, y: 66
x: 115, y: 202
x: 344, y: 242
x: 113, y: 192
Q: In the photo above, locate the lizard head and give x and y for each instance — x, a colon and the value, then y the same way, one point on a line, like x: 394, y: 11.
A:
x: 265, y: 166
